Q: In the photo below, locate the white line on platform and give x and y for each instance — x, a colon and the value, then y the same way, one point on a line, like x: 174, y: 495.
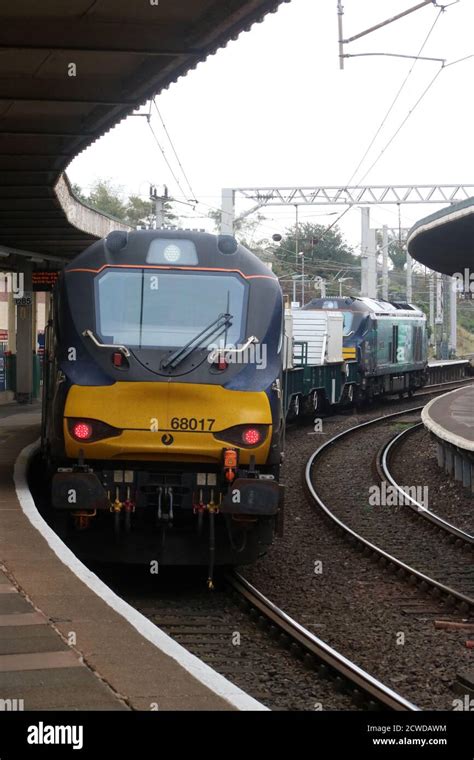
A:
x: 192, y: 664
x: 443, y: 433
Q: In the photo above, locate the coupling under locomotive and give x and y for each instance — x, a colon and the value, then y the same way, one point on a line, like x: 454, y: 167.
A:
x: 387, y: 339
x: 162, y: 418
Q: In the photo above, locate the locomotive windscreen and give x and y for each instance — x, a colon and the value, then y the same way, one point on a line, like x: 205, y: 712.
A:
x: 144, y: 309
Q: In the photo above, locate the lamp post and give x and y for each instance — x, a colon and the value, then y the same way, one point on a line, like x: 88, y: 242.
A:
x: 294, y: 278
x: 297, y: 233
x: 301, y: 253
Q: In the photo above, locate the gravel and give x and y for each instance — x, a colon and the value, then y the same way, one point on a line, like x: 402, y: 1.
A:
x: 216, y: 629
x: 396, y: 529
x: 381, y: 622
x: 447, y: 497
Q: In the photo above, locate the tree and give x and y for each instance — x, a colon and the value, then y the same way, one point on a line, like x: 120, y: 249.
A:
x: 77, y: 191
x: 109, y: 199
x: 106, y: 198
x: 244, y: 229
x: 397, y: 252
x: 326, y: 254
x: 139, y: 212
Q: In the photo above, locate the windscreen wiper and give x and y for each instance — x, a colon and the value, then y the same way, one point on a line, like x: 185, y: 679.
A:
x: 216, y: 327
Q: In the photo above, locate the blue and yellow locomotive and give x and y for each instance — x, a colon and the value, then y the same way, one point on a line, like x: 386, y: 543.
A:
x: 162, y: 400
x: 388, y: 340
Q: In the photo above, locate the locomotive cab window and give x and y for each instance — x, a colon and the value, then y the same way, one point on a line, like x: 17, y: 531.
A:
x: 145, y: 308
x: 352, y: 322
x: 348, y: 320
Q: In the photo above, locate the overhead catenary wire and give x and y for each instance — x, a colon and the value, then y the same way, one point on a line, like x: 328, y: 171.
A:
x: 395, y: 100
x: 418, y: 101
x: 320, y: 238
x: 459, y: 60
x: 193, y: 194
x: 266, y: 223
x: 312, y: 266
x: 325, y: 232
x: 276, y: 218
x: 164, y: 156
x: 396, y: 55
x: 340, y: 216
x: 400, y: 127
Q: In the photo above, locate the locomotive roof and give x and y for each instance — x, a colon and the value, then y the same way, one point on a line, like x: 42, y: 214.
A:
x: 365, y: 305
x: 179, y: 249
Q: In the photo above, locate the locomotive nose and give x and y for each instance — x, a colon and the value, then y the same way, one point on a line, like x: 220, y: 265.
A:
x: 166, y: 421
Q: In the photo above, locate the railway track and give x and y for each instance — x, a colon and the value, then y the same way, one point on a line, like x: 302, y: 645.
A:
x: 325, y: 657
x: 259, y: 647
x: 383, y: 466
x: 250, y: 640
x: 446, y: 591
x: 305, y: 669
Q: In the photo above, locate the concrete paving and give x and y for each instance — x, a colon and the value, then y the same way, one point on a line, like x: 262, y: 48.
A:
x: 37, y: 667
x: 451, y: 417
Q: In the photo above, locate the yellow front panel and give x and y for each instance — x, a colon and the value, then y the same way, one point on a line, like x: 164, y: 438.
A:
x: 147, y: 412
x: 349, y: 353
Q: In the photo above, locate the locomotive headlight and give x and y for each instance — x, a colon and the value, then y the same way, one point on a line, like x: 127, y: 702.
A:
x: 172, y: 253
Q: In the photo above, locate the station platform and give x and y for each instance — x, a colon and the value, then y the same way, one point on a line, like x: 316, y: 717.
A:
x: 446, y: 370
x: 450, y: 419
x: 448, y: 363
x: 67, y: 642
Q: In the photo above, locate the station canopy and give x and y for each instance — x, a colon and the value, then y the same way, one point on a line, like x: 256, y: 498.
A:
x: 445, y: 241
x: 72, y: 69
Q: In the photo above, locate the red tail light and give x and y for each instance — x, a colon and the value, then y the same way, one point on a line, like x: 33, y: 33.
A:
x: 90, y: 430
x: 219, y: 361
x: 251, y: 436
x: 244, y: 436
x: 82, y: 431
x: 119, y: 360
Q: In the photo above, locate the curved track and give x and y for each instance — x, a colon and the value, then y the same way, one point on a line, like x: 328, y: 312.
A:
x: 314, y: 647
x: 461, y: 598
x: 384, y: 466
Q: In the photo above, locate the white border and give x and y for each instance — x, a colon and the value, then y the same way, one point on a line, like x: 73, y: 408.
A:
x: 192, y: 664
x: 453, y: 216
x: 439, y: 431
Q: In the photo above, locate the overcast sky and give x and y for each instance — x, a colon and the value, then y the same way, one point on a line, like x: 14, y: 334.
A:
x: 273, y: 108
